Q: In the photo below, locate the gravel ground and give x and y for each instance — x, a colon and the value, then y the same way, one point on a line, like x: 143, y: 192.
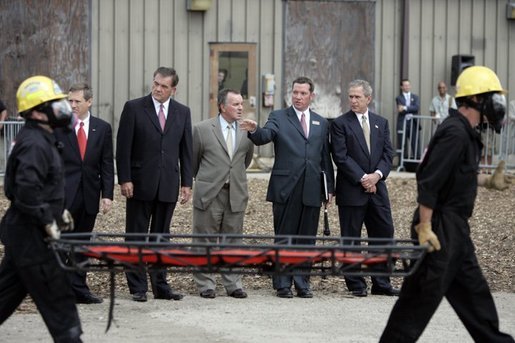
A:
x: 261, y: 316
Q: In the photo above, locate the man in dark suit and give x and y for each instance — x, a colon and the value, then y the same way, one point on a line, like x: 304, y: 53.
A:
x: 154, y: 157
x: 362, y: 152
x: 408, y: 105
x: 302, y: 153
x: 221, y: 156
x: 89, y: 173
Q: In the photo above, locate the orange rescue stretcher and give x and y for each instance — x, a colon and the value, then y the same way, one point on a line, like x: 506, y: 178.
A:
x: 242, y: 254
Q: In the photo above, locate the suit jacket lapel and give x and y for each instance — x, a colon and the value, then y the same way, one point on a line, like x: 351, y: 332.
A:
x: 292, y: 116
x: 239, y: 135
x: 74, y: 143
x: 374, y: 128
x: 170, y: 118
x: 92, y: 135
x: 150, y: 110
x: 358, y: 131
x: 217, y: 131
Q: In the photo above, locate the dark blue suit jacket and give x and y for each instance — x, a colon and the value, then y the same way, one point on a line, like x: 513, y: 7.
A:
x: 96, y: 171
x: 351, y: 156
x: 296, y: 156
x: 153, y: 160
x: 413, y: 108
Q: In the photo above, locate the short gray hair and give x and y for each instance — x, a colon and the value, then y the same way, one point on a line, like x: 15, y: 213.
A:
x: 367, y: 89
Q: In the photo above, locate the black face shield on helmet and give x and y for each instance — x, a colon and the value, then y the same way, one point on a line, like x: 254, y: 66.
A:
x: 59, y: 114
x: 493, y: 107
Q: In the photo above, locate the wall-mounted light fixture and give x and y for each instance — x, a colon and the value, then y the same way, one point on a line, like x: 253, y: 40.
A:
x: 510, y: 10
x: 198, y: 5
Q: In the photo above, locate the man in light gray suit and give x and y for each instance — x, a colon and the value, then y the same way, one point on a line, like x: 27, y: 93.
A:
x: 221, y: 155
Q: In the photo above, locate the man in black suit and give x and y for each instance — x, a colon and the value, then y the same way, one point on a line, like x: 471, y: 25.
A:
x: 89, y: 173
x: 154, y: 157
x: 408, y: 105
x: 362, y: 152
x: 301, y: 146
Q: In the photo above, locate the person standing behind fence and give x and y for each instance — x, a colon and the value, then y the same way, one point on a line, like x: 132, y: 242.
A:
x: 408, y: 105
x: 89, y: 174
x: 221, y: 156
x: 362, y: 151
x: 302, y: 153
x: 447, y: 180
x: 439, y: 108
x: 154, y: 157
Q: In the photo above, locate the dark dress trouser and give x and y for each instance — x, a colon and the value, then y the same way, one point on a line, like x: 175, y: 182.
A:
x: 45, y: 282
x: 412, y: 135
x: 84, y: 223
x: 452, y: 272
x: 139, y: 215
x: 379, y: 224
x: 294, y: 218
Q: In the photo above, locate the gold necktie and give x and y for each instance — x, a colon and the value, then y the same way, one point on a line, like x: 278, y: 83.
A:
x: 366, y: 131
x: 228, y: 140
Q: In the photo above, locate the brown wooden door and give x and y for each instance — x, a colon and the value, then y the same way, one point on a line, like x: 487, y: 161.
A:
x: 233, y: 65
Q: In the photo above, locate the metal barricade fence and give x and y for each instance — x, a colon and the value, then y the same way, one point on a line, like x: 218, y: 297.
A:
x: 507, y: 144
x: 496, y: 146
x: 10, y: 130
x: 415, y: 136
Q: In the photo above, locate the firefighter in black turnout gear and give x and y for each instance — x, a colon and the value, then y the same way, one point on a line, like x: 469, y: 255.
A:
x: 34, y: 183
x: 447, y: 181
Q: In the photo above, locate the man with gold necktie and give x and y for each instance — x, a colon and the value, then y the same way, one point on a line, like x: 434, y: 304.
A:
x: 221, y: 155
x: 362, y: 152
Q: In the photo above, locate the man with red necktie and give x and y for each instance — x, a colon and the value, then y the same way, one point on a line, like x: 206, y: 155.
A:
x: 87, y: 153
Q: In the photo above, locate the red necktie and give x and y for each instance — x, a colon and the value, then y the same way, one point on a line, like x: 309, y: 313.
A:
x: 161, y: 116
x: 303, y: 124
x: 83, y: 141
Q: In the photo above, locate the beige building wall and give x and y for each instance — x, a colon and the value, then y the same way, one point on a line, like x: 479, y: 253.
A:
x: 439, y: 29
x: 130, y: 39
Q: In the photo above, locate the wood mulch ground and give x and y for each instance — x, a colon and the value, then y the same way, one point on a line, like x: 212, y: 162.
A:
x: 493, y: 232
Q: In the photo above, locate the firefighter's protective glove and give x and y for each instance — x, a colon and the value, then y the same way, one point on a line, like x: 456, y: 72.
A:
x: 426, y: 235
x: 52, y: 230
x: 497, y: 180
x: 66, y: 224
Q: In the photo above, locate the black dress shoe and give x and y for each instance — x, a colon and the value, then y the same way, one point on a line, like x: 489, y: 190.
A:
x: 139, y: 297
x: 359, y: 293
x: 305, y: 293
x: 87, y: 298
x: 170, y: 295
x: 238, y: 294
x: 208, y: 294
x: 284, y: 293
x: 388, y: 291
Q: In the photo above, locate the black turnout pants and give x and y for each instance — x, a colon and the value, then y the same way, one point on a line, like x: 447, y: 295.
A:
x: 452, y: 272
x: 50, y: 289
